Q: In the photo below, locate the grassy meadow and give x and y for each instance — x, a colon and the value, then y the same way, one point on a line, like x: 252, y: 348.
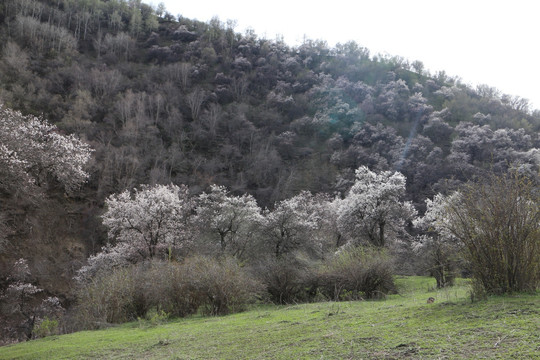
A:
x: 401, y: 326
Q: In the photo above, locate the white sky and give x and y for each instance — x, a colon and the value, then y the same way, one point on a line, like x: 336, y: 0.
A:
x: 482, y: 42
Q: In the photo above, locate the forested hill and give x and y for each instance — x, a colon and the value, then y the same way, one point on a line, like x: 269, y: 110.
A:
x: 171, y: 100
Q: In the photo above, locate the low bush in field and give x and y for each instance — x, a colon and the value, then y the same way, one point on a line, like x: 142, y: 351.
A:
x: 108, y: 298
x: 497, y: 223
x: 221, y: 286
x: 178, y: 289
x: 288, y: 279
x: 357, y: 273
x: 352, y: 274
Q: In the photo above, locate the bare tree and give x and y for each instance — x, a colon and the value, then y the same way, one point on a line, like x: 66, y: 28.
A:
x: 195, y: 100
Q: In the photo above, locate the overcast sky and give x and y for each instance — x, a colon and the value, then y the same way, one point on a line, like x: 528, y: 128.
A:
x: 482, y: 42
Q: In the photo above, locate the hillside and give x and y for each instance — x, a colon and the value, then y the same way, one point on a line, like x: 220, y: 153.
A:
x: 165, y: 100
x: 452, y: 328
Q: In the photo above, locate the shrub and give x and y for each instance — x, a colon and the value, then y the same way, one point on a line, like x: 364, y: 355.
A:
x: 438, y: 259
x: 287, y: 279
x: 107, y: 298
x: 129, y: 293
x: 498, y: 223
x: 222, y: 285
x: 170, y: 290
x: 46, y: 327
x: 358, y: 272
x: 158, y: 287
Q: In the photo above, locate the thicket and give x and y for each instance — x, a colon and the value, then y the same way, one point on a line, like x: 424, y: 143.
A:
x: 177, y: 289
x: 219, y: 286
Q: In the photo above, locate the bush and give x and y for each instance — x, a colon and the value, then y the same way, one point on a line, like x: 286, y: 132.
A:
x: 158, y: 287
x: 222, y: 285
x: 129, y: 293
x: 356, y: 273
x: 439, y: 261
x: 288, y: 279
x: 498, y: 224
x: 170, y: 289
x: 107, y: 298
x: 46, y: 327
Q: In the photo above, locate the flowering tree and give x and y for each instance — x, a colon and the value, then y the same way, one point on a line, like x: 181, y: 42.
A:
x: 437, y: 245
x: 110, y: 257
x: 32, y: 152
x: 150, y: 219
x: 329, y: 231
x: 226, y: 219
x: 293, y: 224
x: 393, y: 98
x: 23, y: 306
x: 374, y: 207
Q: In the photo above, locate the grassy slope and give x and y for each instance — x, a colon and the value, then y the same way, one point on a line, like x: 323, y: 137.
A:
x: 401, y: 326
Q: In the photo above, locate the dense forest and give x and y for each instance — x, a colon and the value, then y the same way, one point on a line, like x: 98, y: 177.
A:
x: 150, y: 100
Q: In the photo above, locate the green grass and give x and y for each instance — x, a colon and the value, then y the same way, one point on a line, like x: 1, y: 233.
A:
x: 402, y: 326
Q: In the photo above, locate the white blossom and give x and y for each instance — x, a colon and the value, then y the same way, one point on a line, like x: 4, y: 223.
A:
x: 108, y: 259
x: 293, y: 224
x: 31, y: 149
x: 226, y: 219
x: 151, y: 218
x: 374, y: 205
x: 435, y: 223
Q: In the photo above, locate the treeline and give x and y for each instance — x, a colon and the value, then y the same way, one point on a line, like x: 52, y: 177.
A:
x: 174, y: 254
x: 171, y: 253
